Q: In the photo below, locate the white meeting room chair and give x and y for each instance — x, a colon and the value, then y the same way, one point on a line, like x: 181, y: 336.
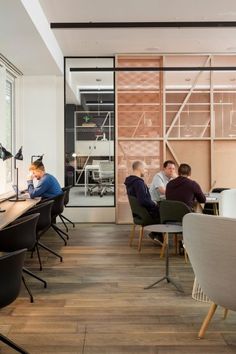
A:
x: 211, y: 243
x: 227, y: 203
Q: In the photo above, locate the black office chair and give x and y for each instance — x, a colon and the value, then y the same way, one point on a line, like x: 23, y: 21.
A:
x: 66, y: 201
x: 142, y: 218
x: 57, y: 209
x: 18, y: 235
x: 172, y: 212
x: 10, y: 280
x: 208, y: 207
x: 44, y: 223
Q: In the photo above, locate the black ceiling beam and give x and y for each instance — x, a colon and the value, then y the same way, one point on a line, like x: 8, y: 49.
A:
x: 161, y: 68
x: 176, y: 24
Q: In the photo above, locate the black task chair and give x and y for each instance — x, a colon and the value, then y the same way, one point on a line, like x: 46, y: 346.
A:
x: 66, y: 201
x: 57, y: 209
x: 18, y: 235
x: 44, y: 223
x: 172, y: 212
x: 209, y: 207
x: 142, y: 218
x: 10, y: 279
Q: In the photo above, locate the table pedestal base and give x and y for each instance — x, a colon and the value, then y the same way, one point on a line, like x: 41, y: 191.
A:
x: 166, y: 276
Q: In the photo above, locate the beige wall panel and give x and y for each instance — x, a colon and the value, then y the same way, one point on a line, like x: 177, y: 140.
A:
x: 197, y: 155
x: 225, y: 163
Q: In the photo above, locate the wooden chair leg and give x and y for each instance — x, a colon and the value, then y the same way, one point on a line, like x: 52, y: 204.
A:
x: 176, y: 243
x: 163, y: 247
x: 226, y: 311
x: 207, y: 320
x: 132, y: 233
x: 185, y: 256
x: 141, y: 231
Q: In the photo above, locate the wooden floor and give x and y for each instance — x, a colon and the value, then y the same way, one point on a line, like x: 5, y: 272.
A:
x: 95, y: 302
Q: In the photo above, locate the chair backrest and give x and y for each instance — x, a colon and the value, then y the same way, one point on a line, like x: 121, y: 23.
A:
x: 219, y: 190
x: 208, y: 207
x: 106, y: 169
x: 211, y: 243
x: 67, y: 194
x: 58, y: 205
x: 172, y: 211
x: 227, y: 203
x: 20, y: 234
x: 44, y: 209
x: 10, y: 276
x: 140, y: 214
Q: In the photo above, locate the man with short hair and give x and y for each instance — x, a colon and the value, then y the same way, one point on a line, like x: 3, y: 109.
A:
x: 184, y: 189
x: 160, y: 180
x: 48, y: 186
x: 136, y: 187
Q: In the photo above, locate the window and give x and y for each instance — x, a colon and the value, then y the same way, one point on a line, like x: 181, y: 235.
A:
x: 90, y: 132
x: 9, y: 109
x: 7, y: 96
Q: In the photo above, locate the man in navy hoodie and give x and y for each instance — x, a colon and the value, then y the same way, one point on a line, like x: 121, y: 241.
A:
x: 136, y: 187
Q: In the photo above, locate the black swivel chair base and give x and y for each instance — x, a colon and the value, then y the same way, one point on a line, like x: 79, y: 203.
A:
x: 51, y: 251
x: 26, y: 286
x: 12, y: 344
x: 61, y: 233
x: 63, y: 218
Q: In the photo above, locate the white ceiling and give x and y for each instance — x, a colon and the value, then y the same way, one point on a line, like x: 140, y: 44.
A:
x: 21, y: 43
x: 112, y: 41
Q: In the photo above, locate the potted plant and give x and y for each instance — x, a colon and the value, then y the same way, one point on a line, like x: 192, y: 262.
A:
x: 87, y: 121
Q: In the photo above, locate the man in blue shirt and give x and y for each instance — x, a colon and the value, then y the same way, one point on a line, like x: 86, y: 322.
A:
x: 48, y: 186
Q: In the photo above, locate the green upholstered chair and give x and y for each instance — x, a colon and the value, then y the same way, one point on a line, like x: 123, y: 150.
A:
x: 172, y: 212
x: 141, y: 217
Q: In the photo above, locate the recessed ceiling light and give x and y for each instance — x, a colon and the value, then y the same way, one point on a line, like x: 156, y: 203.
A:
x: 187, y: 79
x: 98, y: 80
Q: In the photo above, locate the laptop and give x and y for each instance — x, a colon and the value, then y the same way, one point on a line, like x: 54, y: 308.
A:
x: 21, y: 194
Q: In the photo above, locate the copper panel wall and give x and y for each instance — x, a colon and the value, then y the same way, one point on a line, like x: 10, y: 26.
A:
x: 139, y: 123
x: 184, y: 116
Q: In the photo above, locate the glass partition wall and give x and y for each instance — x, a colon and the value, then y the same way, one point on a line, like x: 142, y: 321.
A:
x: 184, y: 115
x: 89, y: 132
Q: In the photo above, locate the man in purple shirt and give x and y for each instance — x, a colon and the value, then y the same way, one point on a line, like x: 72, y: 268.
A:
x: 184, y: 189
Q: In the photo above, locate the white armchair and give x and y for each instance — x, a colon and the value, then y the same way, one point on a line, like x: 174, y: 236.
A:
x: 211, y: 244
x: 227, y: 203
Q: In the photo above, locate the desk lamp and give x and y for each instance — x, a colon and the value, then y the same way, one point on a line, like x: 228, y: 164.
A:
x: 39, y: 158
x: 18, y: 156
x: 4, y: 155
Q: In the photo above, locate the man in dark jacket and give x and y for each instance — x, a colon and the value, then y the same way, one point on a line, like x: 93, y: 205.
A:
x: 185, y: 189
x: 136, y: 187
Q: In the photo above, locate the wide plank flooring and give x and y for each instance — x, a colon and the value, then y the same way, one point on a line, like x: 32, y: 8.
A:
x: 95, y: 302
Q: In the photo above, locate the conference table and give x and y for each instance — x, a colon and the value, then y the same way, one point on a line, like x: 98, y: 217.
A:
x: 14, y: 210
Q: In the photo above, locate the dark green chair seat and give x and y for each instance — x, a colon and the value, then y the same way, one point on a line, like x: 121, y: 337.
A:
x: 142, y: 218
x: 172, y: 212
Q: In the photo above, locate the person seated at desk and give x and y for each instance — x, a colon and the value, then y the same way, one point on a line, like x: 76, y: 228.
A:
x: 136, y: 187
x: 160, y: 180
x: 184, y: 189
x: 48, y: 186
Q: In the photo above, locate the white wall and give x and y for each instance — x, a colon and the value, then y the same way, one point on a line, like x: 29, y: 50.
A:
x: 40, y: 129
x: 40, y: 122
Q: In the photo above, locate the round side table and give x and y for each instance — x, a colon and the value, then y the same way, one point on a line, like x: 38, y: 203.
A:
x: 165, y: 229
